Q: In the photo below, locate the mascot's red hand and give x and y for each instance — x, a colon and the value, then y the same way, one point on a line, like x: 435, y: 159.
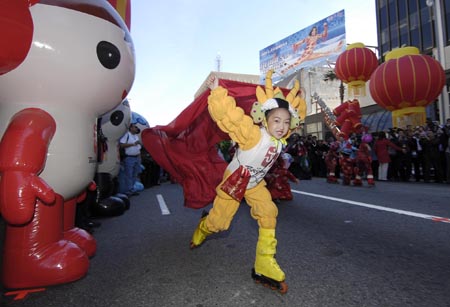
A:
x: 92, y: 186
x: 23, y: 152
x: 18, y: 193
x: 16, y: 26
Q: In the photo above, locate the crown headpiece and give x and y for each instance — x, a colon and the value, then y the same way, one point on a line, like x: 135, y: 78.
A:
x: 270, y: 98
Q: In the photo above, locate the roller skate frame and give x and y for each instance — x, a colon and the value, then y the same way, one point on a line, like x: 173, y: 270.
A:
x: 281, y: 286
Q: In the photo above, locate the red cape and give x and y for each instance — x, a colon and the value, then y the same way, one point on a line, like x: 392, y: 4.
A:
x: 186, y: 148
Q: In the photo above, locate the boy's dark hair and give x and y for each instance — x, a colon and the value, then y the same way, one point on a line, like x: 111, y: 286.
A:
x: 281, y: 104
x: 137, y: 128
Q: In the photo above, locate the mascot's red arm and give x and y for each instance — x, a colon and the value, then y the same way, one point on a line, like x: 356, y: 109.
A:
x: 23, y: 152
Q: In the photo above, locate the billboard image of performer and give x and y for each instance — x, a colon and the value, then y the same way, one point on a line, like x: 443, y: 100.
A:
x: 311, y: 42
x: 316, y: 45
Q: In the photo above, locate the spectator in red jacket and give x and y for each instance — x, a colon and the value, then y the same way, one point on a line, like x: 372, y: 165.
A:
x: 381, y: 151
x: 278, y: 179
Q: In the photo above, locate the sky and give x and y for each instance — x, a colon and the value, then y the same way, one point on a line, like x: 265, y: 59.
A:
x: 177, y: 42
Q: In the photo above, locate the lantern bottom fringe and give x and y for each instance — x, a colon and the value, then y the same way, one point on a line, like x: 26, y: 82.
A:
x: 414, y: 116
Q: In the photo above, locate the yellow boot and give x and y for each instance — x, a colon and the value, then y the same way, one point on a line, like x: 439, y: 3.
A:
x: 265, y: 263
x: 200, y: 233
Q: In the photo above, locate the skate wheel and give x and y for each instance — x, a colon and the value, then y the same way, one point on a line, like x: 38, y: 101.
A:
x: 283, y: 287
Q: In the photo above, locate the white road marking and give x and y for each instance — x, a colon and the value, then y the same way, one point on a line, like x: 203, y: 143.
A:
x: 162, y: 205
x: 357, y: 203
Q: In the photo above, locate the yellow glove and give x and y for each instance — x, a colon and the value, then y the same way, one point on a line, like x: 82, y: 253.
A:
x: 220, y: 104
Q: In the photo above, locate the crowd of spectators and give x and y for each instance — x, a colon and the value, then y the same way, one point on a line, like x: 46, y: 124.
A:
x: 419, y: 153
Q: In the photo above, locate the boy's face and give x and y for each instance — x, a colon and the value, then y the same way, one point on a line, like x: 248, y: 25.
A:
x: 278, y: 122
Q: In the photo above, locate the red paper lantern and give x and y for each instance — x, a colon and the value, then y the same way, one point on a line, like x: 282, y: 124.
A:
x: 407, y: 79
x: 406, y: 83
x: 355, y: 66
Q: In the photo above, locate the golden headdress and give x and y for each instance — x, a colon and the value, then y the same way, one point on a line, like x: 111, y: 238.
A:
x: 268, y: 99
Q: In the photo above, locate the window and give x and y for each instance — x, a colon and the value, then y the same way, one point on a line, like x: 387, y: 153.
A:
x: 393, y: 21
x: 384, y: 29
x: 446, y: 16
x: 394, y: 36
x: 414, y: 24
x: 427, y: 26
x: 403, y: 22
x: 315, y: 129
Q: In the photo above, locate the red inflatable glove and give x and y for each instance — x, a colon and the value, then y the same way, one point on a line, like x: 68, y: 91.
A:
x: 18, y: 193
x: 23, y: 152
x: 91, y: 187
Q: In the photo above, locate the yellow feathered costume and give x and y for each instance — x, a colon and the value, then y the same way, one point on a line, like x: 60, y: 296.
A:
x: 256, y: 153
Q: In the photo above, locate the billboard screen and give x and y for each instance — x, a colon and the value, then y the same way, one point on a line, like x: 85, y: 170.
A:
x: 316, y: 45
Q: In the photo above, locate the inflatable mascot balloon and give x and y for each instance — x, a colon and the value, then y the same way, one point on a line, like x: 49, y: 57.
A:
x: 140, y: 121
x: 62, y: 64
x: 112, y: 126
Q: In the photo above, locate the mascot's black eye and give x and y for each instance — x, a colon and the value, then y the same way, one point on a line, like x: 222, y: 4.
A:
x: 116, y: 118
x: 108, y: 54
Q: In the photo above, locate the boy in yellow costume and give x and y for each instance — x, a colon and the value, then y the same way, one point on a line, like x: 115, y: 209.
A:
x: 260, y: 139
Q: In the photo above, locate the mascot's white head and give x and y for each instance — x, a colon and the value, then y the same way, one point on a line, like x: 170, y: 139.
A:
x: 139, y: 121
x: 116, y: 122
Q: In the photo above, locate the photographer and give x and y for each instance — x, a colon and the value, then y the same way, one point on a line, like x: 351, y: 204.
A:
x: 395, y: 156
x: 132, y: 161
x: 417, y: 156
x: 430, y: 145
x: 447, y: 149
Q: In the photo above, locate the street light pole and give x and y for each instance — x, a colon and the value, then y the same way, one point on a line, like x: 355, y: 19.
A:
x: 439, y: 35
x: 311, y: 95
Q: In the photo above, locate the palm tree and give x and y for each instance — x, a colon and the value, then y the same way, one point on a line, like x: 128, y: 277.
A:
x: 331, y: 76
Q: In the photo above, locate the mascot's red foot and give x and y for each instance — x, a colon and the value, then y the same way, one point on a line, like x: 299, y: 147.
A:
x: 331, y: 179
x: 37, y: 256
x: 48, y: 265
x: 78, y: 236
x: 357, y: 182
x: 83, y: 239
